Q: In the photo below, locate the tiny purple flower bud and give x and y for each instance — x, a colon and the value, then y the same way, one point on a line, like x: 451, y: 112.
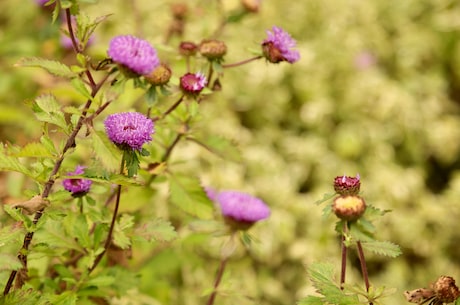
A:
x: 278, y: 46
x: 133, y: 53
x: 241, y: 210
x: 193, y: 83
x: 78, y: 187
x: 129, y: 130
x: 346, y: 185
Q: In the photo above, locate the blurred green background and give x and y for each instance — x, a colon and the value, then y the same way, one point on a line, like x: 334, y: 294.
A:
x: 376, y: 92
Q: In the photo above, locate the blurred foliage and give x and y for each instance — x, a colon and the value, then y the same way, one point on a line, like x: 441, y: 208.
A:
x: 377, y: 91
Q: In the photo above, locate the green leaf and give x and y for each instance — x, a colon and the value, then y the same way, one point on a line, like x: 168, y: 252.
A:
x: 120, y: 232
x: 65, y: 298
x: 322, y: 276
x: 23, y: 296
x: 156, y: 230
x: 80, y: 86
x: 54, y: 67
x: 17, y: 215
x: 101, y: 280
x: 311, y: 300
x: 217, y: 145
x: 10, y: 235
x: 48, y: 144
x: 325, y: 198
x: 9, y: 262
x: 188, y: 195
x: 11, y: 163
x: 106, y: 151
x: 47, y: 109
x: 383, y: 248
x: 34, y: 149
x: 53, y: 234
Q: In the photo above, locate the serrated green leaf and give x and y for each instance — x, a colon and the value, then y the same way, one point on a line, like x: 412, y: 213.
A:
x: 22, y: 296
x: 106, y: 151
x: 54, y: 67
x: 80, y: 86
x: 188, y: 195
x: 120, y: 232
x: 10, y: 235
x: 156, y: 230
x: 53, y: 234
x: 383, y: 248
x: 81, y: 232
x: 9, y: 262
x: 17, y: 215
x: 48, y: 144
x: 65, y: 298
x: 47, y: 109
x: 34, y: 149
x: 12, y: 163
x: 218, y: 145
x: 311, y: 300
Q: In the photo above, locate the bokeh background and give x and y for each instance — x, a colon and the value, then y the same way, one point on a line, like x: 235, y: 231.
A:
x: 376, y: 92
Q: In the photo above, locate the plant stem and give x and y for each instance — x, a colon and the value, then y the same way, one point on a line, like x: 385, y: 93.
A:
x: 219, y: 275
x: 240, y: 63
x: 108, y: 240
x: 171, y: 109
x: 362, y: 261
x: 344, y: 256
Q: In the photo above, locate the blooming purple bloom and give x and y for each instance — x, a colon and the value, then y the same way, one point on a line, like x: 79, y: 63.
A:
x: 193, y: 83
x: 129, y: 130
x: 134, y: 53
x: 278, y: 46
x: 347, y: 185
x: 241, y: 207
x: 78, y: 187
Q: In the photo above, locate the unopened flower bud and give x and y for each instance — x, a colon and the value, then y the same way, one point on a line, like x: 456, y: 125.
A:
x: 346, y: 185
x: 160, y: 75
x: 213, y: 49
x: 179, y: 10
x: 349, y: 208
x: 252, y: 6
x: 187, y: 48
x: 445, y: 289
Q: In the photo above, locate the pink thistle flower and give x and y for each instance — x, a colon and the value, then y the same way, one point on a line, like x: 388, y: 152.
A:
x: 278, y: 46
x: 79, y: 187
x: 129, y: 130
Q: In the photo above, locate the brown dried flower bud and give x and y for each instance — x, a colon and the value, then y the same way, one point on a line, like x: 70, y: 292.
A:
x: 187, y: 48
x: 179, y: 10
x: 349, y: 208
x: 213, y: 49
x: 252, y: 6
x: 445, y: 289
x: 346, y: 185
x: 159, y: 76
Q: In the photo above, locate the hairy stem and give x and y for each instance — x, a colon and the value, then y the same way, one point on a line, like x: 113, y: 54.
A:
x: 344, y: 256
x: 240, y: 63
x: 219, y: 275
x: 362, y: 261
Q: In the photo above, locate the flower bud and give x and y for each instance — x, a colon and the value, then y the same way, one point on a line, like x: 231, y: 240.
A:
x: 193, y: 83
x: 346, y: 185
x: 349, y: 208
x: 213, y: 49
x: 187, y: 48
x: 445, y: 289
x: 160, y: 75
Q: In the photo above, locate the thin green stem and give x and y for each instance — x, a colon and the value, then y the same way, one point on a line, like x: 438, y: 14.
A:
x: 240, y: 63
x: 344, y: 256
x: 171, y: 109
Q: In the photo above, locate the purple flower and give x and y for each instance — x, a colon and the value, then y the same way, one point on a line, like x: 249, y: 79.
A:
x: 78, y: 187
x: 129, y: 130
x: 134, y: 53
x: 346, y: 185
x: 41, y: 2
x: 241, y: 209
x: 278, y: 46
x: 193, y: 83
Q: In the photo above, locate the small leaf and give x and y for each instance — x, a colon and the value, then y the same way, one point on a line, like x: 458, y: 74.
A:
x: 311, y: 300
x: 156, y: 230
x: 18, y: 216
x: 47, y: 109
x: 325, y: 198
x: 80, y: 86
x: 65, y: 298
x: 54, y: 67
x: 188, y: 195
x: 383, y: 248
x: 34, y: 149
x: 106, y: 151
x: 11, y: 163
x: 9, y: 262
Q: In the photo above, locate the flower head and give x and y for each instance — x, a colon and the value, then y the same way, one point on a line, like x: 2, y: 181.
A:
x: 445, y: 289
x: 346, y: 185
x: 79, y: 187
x: 160, y: 76
x: 241, y: 210
x: 133, y: 53
x: 278, y: 46
x: 129, y: 130
x: 193, y: 83
x: 213, y: 49
x: 349, y: 208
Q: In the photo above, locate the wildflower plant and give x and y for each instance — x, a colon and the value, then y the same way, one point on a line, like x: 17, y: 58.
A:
x: 57, y: 252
